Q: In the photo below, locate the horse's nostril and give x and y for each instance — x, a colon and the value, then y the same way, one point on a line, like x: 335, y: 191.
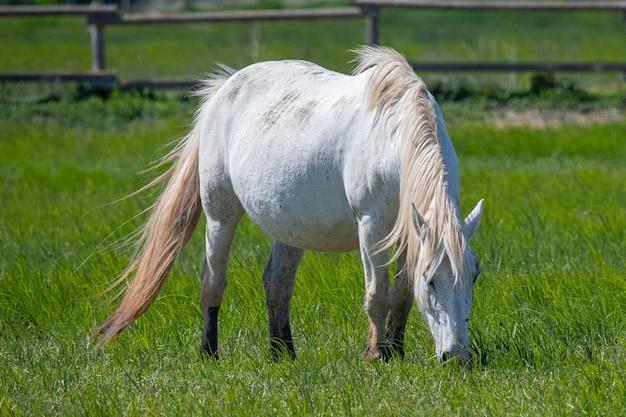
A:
x: 445, y: 357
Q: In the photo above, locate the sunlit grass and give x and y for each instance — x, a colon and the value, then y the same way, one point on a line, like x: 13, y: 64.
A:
x: 547, y: 325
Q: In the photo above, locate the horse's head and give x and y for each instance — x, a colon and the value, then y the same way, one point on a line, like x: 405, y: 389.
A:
x: 444, y: 286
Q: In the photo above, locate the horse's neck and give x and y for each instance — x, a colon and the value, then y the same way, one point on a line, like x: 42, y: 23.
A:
x: 452, y: 172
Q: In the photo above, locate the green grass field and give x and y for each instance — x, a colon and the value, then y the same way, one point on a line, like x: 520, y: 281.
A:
x: 549, y: 319
x: 547, y: 324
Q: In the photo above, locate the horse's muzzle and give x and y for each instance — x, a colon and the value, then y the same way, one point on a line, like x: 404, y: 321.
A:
x: 462, y: 359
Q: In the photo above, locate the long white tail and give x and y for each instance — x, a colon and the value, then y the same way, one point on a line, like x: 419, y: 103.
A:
x: 171, y: 224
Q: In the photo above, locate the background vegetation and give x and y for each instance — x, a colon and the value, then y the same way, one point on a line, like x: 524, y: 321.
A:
x: 190, y: 51
x: 548, y: 324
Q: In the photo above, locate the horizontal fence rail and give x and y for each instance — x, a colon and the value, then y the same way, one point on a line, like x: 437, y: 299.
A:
x: 60, y: 10
x: 521, y: 66
x: 95, y: 77
x: 242, y: 16
x: 100, y: 15
x: 572, y: 5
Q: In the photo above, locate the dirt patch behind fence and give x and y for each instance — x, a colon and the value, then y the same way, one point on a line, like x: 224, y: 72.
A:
x: 540, y: 119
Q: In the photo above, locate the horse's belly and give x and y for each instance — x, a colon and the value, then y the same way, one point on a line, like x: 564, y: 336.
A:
x: 306, y: 211
x: 327, y: 237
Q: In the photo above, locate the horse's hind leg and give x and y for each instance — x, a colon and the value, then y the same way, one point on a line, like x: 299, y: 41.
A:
x: 209, y: 334
x: 278, y: 280
x: 401, y: 303
x: 220, y: 231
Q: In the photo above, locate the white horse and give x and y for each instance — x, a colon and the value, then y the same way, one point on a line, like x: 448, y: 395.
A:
x: 327, y: 162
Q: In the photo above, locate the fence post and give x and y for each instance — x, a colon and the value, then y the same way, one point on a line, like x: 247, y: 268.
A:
x: 96, y: 29
x: 372, y: 17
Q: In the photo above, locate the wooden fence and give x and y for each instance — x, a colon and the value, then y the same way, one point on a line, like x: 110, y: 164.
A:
x: 100, y: 15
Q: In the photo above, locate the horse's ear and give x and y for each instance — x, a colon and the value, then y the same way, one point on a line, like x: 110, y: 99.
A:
x: 471, y: 223
x: 419, y: 223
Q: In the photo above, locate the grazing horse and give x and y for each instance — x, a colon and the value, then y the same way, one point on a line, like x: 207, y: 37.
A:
x: 327, y: 162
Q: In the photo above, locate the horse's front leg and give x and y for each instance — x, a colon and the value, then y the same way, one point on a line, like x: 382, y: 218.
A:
x: 278, y: 281
x: 401, y: 304
x: 376, y: 288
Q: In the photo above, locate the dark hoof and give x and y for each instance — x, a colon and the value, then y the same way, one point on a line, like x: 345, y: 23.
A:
x: 383, y: 353
x: 281, y: 349
x: 396, y: 349
x: 208, y: 354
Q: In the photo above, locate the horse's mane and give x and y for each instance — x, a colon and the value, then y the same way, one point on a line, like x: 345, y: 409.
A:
x: 402, y: 100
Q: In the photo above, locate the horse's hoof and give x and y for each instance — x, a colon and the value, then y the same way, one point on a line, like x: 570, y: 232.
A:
x: 281, y: 349
x: 379, y: 353
x: 208, y: 355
